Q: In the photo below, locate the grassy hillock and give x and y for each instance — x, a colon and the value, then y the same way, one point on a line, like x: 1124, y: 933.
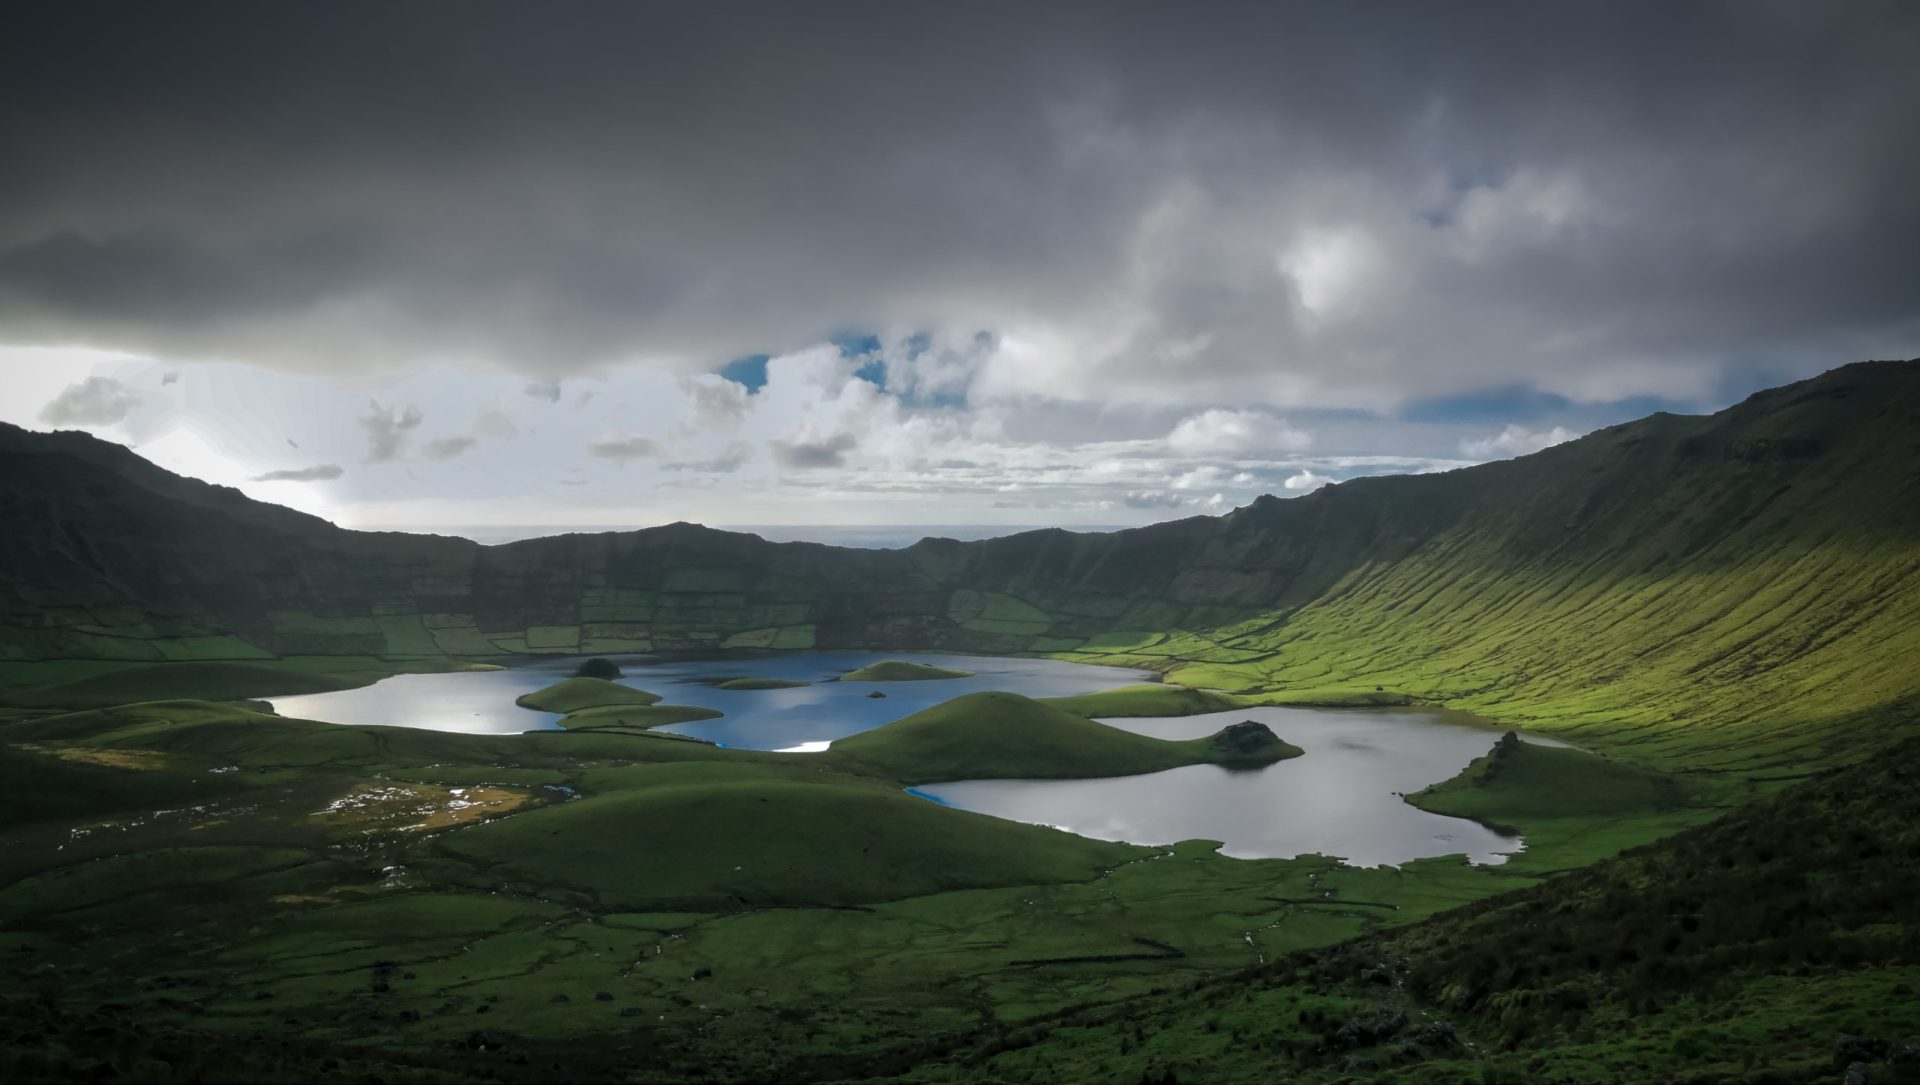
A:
x: 574, y: 694
x: 1576, y: 807
x: 899, y: 670
x: 1147, y: 700
x: 1007, y: 736
x: 706, y: 837
x: 1520, y: 781
x: 640, y: 716
x: 760, y: 683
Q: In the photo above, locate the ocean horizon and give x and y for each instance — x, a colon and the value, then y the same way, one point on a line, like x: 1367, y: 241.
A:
x: 859, y: 536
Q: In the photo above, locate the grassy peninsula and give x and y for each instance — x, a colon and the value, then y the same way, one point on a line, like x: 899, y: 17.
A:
x: 1007, y: 736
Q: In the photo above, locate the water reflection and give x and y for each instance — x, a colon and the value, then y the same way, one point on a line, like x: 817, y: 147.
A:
x: 764, y: 719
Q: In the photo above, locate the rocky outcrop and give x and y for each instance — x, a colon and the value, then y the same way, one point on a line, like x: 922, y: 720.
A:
x: 1250, y: 742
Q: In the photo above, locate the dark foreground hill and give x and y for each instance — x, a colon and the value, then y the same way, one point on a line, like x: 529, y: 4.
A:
x: 1738, y: 590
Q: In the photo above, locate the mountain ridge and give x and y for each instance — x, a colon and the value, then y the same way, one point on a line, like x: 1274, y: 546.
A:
x: 1701, y: 568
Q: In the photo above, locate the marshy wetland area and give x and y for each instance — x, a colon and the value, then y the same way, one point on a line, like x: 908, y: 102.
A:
x: 1175, y: 803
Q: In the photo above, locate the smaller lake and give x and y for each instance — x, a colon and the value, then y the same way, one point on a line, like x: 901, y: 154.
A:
x: 1339, y: 799
x: 481, y: 702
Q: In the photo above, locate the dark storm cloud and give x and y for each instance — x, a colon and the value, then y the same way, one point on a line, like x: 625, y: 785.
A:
x: 1282, y: 203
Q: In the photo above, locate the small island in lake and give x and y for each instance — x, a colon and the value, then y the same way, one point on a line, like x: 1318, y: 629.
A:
x: 760, y: 683
x: 899, y: 670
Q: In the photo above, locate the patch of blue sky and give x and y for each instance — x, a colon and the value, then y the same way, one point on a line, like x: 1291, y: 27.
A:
x: 1524, y: 404
x: 750, y: 371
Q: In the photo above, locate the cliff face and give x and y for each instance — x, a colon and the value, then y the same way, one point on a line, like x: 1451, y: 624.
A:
x: 1771, y: 545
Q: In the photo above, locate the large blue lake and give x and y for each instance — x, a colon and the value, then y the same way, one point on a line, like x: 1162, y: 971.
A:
x: 481, y: 702
x: 1341, y: 799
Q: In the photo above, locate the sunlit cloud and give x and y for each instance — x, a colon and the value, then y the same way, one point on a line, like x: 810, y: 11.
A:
x: 1514, y: 441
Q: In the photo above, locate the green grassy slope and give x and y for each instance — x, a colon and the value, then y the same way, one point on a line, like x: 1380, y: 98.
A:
x: 1156, y: 699
x: 1738, y: 591
x: 36, y: 786
x: 1007, y: 736
x: 205, y: 681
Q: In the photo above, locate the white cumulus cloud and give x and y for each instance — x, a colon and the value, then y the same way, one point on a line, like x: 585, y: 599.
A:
x: 1223, y: 432
x: 1515, y: 441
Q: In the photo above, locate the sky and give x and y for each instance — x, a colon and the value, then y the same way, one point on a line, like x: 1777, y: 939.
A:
x: 440, y: 265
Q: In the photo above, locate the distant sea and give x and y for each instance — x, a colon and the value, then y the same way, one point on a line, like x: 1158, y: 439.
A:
x: 867, y: 537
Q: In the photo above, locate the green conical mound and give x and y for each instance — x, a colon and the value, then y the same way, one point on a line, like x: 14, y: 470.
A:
x: 1007, y: 736
x: 574, y: 694
x: 760, y: 683
x: 900, y: 670
x: 728, y: 836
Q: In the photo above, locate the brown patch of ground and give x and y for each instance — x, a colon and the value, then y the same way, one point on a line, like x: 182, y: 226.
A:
x: 404, y: 807
x: 119, y: 759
